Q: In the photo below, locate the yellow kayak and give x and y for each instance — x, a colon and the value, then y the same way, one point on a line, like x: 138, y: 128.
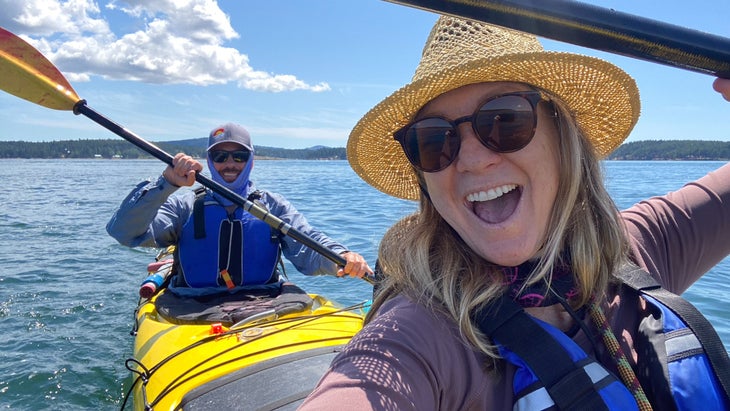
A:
x: 269, y: 360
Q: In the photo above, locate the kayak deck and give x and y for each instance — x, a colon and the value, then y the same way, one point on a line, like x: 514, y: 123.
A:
x: 205, y: 365
x: 280, y: 383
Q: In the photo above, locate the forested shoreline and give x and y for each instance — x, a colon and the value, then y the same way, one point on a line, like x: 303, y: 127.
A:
x: 673, y: 150
x: 121, y: 149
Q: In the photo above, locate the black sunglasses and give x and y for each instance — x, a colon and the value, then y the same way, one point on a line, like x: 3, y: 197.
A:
x: 504, y: 123
x: 221, y: 156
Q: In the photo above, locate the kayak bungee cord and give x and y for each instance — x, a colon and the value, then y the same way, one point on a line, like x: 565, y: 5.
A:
x: 180, y: 381
x: 145, y: 374
x: 232, y: 332
x: 141, y: 376
x: 299, y: 321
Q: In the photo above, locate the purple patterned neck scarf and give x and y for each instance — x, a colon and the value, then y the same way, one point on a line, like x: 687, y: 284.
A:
x: 538, y: 295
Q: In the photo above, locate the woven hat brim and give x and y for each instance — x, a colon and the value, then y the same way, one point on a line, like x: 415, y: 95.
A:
x: 603, y: 99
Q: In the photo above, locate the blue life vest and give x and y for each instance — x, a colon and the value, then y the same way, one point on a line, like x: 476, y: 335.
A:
x: 682, y: 362
x: 221, y: 250
x: 531, y: 394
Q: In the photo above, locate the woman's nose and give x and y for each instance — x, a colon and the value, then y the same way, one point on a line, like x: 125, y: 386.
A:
x: 473, y: 154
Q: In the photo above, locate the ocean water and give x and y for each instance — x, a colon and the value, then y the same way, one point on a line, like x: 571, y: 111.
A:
x: 68, y: 291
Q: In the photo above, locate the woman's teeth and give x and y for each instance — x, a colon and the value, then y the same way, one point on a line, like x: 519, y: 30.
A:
x: 491, y: 194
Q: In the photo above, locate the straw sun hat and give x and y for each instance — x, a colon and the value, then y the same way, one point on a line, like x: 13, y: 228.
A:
x: 603, y: 99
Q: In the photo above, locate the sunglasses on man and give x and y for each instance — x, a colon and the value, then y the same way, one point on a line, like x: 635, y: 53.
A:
x: 221, y: 156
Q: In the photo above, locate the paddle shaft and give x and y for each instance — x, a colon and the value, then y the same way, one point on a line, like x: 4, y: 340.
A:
x: 250, y: 206
x: 597, y: 28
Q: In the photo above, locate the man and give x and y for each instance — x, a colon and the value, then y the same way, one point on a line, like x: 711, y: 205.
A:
x: 219, y: 246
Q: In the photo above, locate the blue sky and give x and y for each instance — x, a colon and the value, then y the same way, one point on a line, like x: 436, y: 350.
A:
x: 296, y: 73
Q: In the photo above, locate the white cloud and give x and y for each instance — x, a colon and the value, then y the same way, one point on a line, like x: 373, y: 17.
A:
x: 180, y: 42
x: 200, y: 20
x: 46, y: 18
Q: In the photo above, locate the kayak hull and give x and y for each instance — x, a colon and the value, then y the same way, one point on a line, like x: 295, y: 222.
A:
x: 269, y: 361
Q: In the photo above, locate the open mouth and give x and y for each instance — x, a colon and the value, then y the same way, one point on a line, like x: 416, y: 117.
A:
x: 229, y: 174
x: 497, y: 204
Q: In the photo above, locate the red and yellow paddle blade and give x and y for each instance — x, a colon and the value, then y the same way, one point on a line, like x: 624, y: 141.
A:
x: 26, y: 73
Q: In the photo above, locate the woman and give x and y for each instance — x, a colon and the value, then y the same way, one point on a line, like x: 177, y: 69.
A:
x: 500, y: 141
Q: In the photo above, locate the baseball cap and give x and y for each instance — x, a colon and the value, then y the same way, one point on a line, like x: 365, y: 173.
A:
x: 230, y: 132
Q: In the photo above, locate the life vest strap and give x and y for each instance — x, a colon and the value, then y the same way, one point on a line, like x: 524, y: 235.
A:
x: 198, y: 213
x: 568, y: 384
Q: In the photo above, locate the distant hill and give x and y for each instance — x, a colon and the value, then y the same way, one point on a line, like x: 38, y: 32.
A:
x: 673, y: 150
x: 199, y: 146
x: 192, y: 142
x: 118, y: 148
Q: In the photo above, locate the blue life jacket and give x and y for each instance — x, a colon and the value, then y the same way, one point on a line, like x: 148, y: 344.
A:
x: 682, y: 362
x: 221, y: 250
x: 531, y: 393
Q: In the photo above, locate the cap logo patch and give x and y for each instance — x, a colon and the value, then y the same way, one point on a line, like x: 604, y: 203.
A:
x: 219, y: 132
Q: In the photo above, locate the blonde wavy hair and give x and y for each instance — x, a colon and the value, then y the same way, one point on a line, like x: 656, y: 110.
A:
x: 424, y: 258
